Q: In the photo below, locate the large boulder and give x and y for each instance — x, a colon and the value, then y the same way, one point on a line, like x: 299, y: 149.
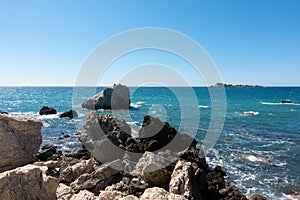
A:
x: 113, y: 97
x: 20, y: 140
x: 27, y: 182
x: 47, y: 111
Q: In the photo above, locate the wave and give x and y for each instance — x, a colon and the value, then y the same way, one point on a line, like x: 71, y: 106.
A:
x: 272, y: 103
x: 202, y: 106
x: 53, y: 116
x: 137, y: 104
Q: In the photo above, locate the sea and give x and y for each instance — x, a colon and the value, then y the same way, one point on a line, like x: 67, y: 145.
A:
x: 258, y: 142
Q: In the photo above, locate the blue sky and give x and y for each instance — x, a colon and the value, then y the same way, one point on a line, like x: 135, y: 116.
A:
x: 251, y: 42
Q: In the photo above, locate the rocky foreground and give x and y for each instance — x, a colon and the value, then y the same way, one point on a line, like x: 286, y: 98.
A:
x: 142, y: 169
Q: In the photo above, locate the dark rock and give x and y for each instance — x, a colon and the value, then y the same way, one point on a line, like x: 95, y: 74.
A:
x: 216, y: 182
x: 2, y: 112
x: 47, y: 111
x: 113, y: 97
x: 67, y: 136
x: 47, y: 153
x: 233, y: 193
x: 80, y: 154
x: 69, y: 114
x: 155, y: 135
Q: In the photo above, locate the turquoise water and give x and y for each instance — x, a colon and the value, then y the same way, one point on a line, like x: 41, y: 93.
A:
x: 260, y: 152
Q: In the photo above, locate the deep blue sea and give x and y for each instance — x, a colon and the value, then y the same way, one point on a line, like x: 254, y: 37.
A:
x: 260, y: 152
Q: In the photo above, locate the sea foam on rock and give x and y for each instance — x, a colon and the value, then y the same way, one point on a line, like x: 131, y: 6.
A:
x: 20, y: 140
x: 113, y: 97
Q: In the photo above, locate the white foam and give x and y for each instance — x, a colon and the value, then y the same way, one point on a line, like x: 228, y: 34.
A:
x: 202, y: 106
x: 53, y: 116
x: 138, y: 104
x: 272, y: 103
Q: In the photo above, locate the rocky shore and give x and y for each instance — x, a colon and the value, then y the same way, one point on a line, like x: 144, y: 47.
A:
x: 142, y: 169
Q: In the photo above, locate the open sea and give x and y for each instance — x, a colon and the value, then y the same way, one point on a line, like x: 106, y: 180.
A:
x: 260, y: 152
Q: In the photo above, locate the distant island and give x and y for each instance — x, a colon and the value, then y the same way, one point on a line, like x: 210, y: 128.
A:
x: 236, y: 86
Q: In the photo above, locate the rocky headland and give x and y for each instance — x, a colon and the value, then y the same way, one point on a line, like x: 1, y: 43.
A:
x: 146, y: 167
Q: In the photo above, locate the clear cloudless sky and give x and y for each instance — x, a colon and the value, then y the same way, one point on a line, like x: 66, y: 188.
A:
x: 252, y: 42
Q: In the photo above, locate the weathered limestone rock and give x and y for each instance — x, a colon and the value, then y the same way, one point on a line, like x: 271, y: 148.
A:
x: 110, y: 195
x: 20, y: 140
x: 27, y: 182
x: 84, y: 195
x: 64, y: 192
x: 97, y: 180
x: 71, y: 173
x: 159, y: 193
x: 113, y: 97
x: 184, y: 181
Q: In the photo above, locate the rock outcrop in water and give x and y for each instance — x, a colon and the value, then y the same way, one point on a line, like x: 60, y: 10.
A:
x: 47, y: 111
x: 69, y: 114
x: 113, y: 97
x: 20, y: 140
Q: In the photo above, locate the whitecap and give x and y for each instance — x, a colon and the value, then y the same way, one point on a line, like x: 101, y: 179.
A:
x: 53, y: 116
x: 272, y: 103
x: 137, y: 104
x: 203, y: 106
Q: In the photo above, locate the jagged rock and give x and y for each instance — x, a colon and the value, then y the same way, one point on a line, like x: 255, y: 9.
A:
x: 129, y: 186
x: 233, y: 193
x: 47, y: 153
x: 20, y: 140
x: 64, y: 192
x: 71, y: 173
x: 155, y: 135
x: 185, y: 181
x: 3, y: 112
x: 256, y: 197
x: 97, y: 180
x: 160, y: 193
x: 113, y: 97
x: 69, y: 114
x: 27, y: 182
x: 47, y: 111
x: 153, y: 170
x: 216, y: 182
x: 84, y: 195
x: 105, y: 134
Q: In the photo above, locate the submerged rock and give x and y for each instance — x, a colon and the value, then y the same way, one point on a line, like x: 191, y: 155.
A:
x: 69, y: 114
x: 20, y: 140
x: 113, y: 97
x: 47, y: 111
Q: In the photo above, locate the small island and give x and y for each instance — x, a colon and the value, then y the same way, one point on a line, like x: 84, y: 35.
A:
x: 218, y: 85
